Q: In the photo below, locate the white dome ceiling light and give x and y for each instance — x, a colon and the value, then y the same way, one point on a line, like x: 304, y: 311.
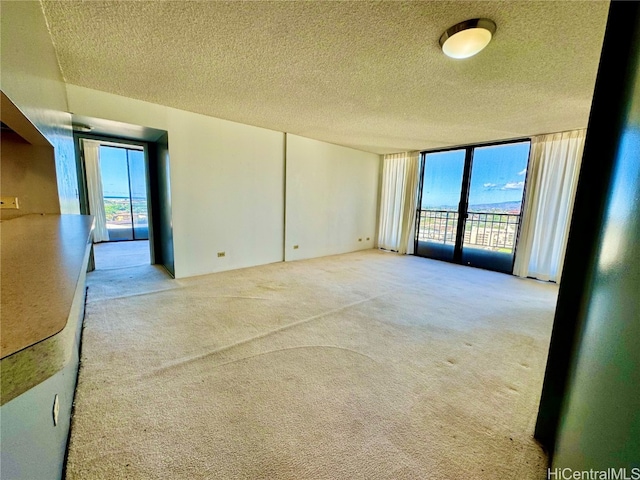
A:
x: 467, y: 38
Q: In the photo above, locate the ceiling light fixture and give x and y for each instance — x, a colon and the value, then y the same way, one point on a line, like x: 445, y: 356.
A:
x: 467, y: 38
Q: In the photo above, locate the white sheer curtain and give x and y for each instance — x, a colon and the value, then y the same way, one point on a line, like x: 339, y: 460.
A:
x: 94, y: 187
x: 551, y: 189
x: 398, y: 202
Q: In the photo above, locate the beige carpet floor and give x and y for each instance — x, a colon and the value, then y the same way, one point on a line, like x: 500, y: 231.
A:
x: 109, y: 255
x: 368, y: 365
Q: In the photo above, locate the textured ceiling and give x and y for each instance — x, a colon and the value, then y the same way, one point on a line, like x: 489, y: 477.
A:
x: 364, y: 74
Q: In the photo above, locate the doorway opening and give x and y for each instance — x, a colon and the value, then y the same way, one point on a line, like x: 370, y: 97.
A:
x: 144, y: 162
x: 117, y: 193
x: 470, y: 204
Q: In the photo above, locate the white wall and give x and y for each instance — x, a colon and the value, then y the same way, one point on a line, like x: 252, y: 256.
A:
x: 227, y: 183
x: 331, y: 200
x: 227, y: 188
x: 32, y: 79
x: 227, y: 194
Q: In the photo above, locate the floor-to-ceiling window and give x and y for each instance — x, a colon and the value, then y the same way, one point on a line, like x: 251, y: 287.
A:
x: 470, y: 204
x: 125, y: 192
x: 442, y: 179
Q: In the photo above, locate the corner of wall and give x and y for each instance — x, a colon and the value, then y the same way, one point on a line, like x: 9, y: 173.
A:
x: 32, y: 79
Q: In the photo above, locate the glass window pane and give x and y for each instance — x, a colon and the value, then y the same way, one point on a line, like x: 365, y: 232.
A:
x: 442, y: 181
x: 115, y: 189
x: 138, y: 176
x: 495, y: 196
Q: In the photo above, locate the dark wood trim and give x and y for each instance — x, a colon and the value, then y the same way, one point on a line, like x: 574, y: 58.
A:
x: 479, y: 145
x: 463, y: 204
x: 418, y: 203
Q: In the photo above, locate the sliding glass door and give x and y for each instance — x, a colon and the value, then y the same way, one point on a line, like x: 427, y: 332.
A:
x: 493, y: 209
x: 124, y: 187
x: 442, y: 175
x: 138, y: 194
x: 470, y: 205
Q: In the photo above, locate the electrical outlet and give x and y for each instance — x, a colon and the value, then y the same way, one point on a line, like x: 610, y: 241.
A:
x: 367, y: 239
x: 221, y: 254
x: 295, y: 247
x: 56, y: 410
x: 9, y: 202
x: 359, y: 239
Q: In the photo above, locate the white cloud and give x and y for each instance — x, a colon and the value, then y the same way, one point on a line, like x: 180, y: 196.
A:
x: 513, y: 186
x: 523, y: 172
x: 489, y: 185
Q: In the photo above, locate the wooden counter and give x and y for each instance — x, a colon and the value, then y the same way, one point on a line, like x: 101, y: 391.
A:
x: 43, y: 261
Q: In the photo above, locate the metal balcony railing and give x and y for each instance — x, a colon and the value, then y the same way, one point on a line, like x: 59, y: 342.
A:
x: 438, y: 226
x: 485, y: 230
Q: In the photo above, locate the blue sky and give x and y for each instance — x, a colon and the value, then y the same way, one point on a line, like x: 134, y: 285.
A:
x: 498, y: 175
x: 113, y: 168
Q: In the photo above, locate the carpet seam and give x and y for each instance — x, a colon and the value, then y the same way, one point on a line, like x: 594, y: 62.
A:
x: 196, y: 358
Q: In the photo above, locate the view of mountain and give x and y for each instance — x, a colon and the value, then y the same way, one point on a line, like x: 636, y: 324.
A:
x: 500, y: 207
x: 507, y: 207
x: 496, y: 183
